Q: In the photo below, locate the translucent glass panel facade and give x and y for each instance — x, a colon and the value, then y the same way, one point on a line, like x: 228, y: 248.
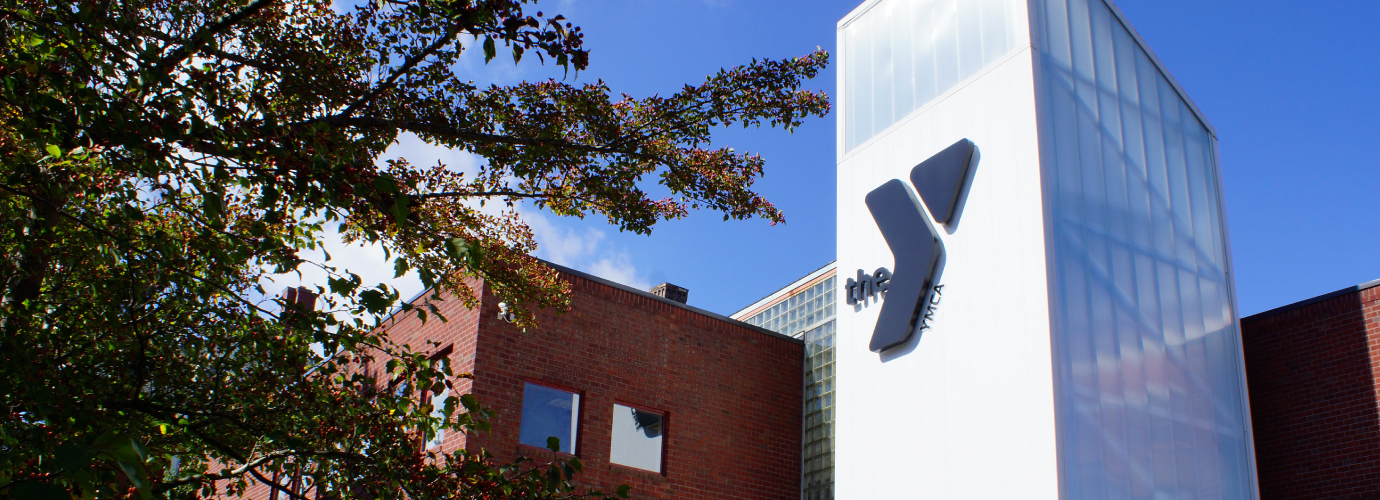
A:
x: 819, y: 412
x: 809, y: 316
x: 799, y: 311
x: 1147, y: 353
x: 902, y: 54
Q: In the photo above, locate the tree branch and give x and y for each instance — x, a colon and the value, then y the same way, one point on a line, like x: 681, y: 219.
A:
x: 118, y: 239
x: 392, y: 80
x: 250, y: 466
x: 276, y: 486
x: 448, y: 131
x: 200, y: 38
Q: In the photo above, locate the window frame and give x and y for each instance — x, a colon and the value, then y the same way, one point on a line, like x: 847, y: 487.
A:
x: 665, y: 434
x: 578, y: 445
x: 424, y: 395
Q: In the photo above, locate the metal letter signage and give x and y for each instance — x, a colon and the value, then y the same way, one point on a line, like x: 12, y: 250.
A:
x: 914, y: 243
x: 867, y: 285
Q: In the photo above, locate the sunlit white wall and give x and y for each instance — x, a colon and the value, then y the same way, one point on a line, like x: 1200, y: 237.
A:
x: 1151, y: 397
x: 1086, y: 346
x: 966, y: 409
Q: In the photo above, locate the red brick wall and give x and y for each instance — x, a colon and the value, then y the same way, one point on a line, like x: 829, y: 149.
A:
x: 457, y: 332
x: 407, y: 329
x: 732, y: 395
x: 1311, y: 372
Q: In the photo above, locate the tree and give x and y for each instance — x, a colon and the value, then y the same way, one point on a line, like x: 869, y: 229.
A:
x: 161, y: 157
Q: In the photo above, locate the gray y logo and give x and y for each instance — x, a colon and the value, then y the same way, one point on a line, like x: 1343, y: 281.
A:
x: 913, y: 240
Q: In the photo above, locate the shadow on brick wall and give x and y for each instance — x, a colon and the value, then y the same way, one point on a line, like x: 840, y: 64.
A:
x: 1313, y: 402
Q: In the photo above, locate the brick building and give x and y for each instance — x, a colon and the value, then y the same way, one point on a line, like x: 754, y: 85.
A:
x: 625, y: 375
x: 1311, y: 367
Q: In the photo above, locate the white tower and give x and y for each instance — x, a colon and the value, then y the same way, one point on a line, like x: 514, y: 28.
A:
x: 1085, y: 342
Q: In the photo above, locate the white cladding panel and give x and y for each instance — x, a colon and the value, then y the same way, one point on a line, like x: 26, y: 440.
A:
x: 1086, y: 345
x: 966, y: 408
x: 1150, y: 377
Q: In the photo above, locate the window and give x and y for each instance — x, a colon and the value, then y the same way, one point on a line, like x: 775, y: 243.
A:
x: 548, y: 413
x: 438, y: 404
x: 637, y: 437
x: 438, y: 400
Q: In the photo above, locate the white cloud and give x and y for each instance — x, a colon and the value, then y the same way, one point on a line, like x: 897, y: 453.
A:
x: 584, y: 250
x: 617, y: 266
x: 421, y: 154
x: 367, y: 261
x: 565, y: 246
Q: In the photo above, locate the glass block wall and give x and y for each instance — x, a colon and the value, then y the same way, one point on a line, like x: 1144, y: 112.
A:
x: 793, y: 313
x: 903, y: 54
x: 808, y: 314
x: 1148, y: 354
x: 818, y: 467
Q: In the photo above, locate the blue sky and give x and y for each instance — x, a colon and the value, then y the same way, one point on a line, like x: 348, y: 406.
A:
x: 1289, y: 86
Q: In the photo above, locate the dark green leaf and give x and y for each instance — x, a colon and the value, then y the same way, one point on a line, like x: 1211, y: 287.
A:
x: 375, y: 301
x: 134, y: 472
x: 213, y: 207
x: 72, y: 457
x: 553, y: 479
x: 400, y: 209
x: 139, y: 450
x: 470, y: 403
x: 36, y: 490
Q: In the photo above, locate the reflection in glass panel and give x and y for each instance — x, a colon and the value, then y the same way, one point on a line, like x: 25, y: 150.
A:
x: 637, y: 438
x: 548, y: 413
x: 1148, y: 354
x: 901, y: 54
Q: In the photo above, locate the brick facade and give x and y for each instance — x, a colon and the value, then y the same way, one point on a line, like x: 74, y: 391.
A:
x: 1311, y: 368
x: 731, y: 392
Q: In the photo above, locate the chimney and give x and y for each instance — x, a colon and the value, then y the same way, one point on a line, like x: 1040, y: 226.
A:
x: 672, y: 292
x: 302, y: 296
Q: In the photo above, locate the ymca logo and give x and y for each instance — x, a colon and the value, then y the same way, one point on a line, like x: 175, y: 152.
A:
x: 914, y: 242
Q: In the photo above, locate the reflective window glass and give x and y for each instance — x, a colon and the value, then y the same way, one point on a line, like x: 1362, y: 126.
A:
x: 637, y: 438
x: 438, y: 404
x: 548, y: 413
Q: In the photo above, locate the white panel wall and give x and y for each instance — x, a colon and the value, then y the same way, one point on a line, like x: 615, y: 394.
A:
x: 1086, y: 346
x: 966, y: 409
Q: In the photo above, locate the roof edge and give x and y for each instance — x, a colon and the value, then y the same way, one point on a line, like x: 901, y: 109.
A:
x: 779, y: 292
x: 1164, y: 70
x: 1308, y: 302
x: 857, y: 12
x: 667, y: 301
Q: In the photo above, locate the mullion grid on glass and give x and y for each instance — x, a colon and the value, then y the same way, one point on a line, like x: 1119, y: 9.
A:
x: 901, y: 55
x: 793, y: 314
x: 818, y: 407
